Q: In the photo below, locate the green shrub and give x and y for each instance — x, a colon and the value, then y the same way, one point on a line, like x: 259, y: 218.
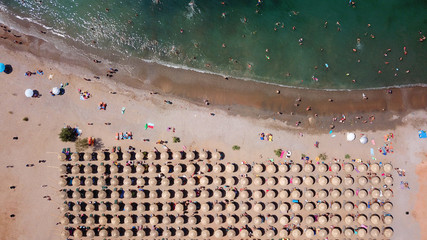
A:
x: 347, y: 156
x: 68, y: 134
x: 278, y: 152
x: 176, y: 139
x: 236, y: 147
x: 323, y: 156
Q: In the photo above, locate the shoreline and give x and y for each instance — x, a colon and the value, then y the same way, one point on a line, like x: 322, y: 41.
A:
x: 245, y: 97
x: 241, y: 125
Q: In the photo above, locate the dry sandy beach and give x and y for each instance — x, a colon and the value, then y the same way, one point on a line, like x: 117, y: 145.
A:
x: 241, y: 112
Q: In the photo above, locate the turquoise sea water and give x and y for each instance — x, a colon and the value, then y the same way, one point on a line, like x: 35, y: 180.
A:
x: 151, y: 30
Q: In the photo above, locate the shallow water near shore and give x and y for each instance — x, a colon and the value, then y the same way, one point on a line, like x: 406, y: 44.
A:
x: 249, y: 40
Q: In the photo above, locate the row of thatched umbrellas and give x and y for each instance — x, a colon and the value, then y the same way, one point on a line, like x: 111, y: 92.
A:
x: 234, y: 232
x: 219, y: 194
x: 220, y: 181
x: 192, y: 207
x: 242, y: 220
x: 245, y: 168
x: 139, y: 156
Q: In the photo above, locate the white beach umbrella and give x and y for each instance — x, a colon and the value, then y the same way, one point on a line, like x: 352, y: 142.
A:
x: 29, y: 93
x: 363, y: 140
x: 351, y: 137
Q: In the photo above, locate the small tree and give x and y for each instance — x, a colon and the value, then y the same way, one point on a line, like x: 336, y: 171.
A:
x: 81, y: 145
x: 303, y: 156
x: 278, y: 152
x: 25, y: 119
x: 323, y: 156
x: 68, y: 134
x: 347, y: 156
x: 176, y: 139
x: 236, y: 147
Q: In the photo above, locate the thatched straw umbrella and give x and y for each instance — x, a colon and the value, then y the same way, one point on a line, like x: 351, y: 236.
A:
x: 115, y: 195
x: 362, y: 181
x: 90, y: 233
x: 271, y: 194
x: 322, y: 167
x: 114, y: 156
x: 192, y: 207
x: 335, y: 206
x: 216, y: 155
x: 154, y: 208
x: 388, y: 180
x: 114, y: 169
x: 231, y: 207
x: 375, y: 167
x: 375, y: 219
x: 115, y: 233
x: 75, y: 169
x: 323, y: 194
x: 128, y: 233
x: 258, y: 181
x: 258, y: 194
x: 336, y: 181
x: 101, y: 168
x: 388, y: 232
x: 179, y: 208
x: 127, y: 208
x: 284, y: 194
x: 231, y: 220
x: 205, y: 220
x: 65, y: 233
x: 309, y: 233
x: 176, y: 155
x: 154, y: 233
x: 206, y: 168
x: 348, y: 167
x: 272, y: 181
x: 363, y: 193
x: 283, y: 220
x: 177, y: 168
x: 296, y: 207
x: 191, y: 181
x: 103, y: 233
x: 323, y: 232
x: 375, y: 232
x: 323, y: 180
x: 335, y: 167
x: 151, y: 156
x: 63, y: 169
x: 218, y: 193
x: 164, y: 156
x: 87, y: 156
x: 336, y: 232
x: 219, y: 219
x: 362, y: 167
x: 309, y: 180
x: 62, y: 156
x: 348, y: 206
x: 257, y: 233
x: 271, y: 207
x: 206, y: 233
x: 335, y: 193
x: 139, y: 156
x: 102, y: 207
x: 271, y: 220
x: 322, y: 219
x: 152, y: 168
x: 283, y: 181
x: 283, y: 233
x: 154, y: 220
x: 205, y: 193
x: 270, y: 234
x: 258, y: 207
x: 115, y: 221
x: 296, y: 193
x: 244, y: 233
x: 244, y: 181
x: 114, y: 182
x: 89, y: 195
x: 284, y: 207
x: 90, y: 221
x: 362, y: 206
x: 230, y: 168
x: 361, y: 219
x: 127, y: 181
x: 375, y: 206
x: 179, y: 220
x: 191, y: 169
x: 348, y: 219
x: 296, y: 180
x: 191, y: 194
x: 272, y: 168
x: 336, y: 219
x: 296, y: 232
x: 230, y: 195
x: 88, y: 182
x: 190, y: 155
x: 245, y: 207
x: 167, y: 233
x: 230, y: 181
x: 375, y: 180
x: 308, y: 168
x: 141, y: 207
x: 203, y: 155
x: 388, y: 167
x: 244, y: 168
x: 349, y: 232
x: 388, y: 193
x: 375, y: 193
x: 296, y: 168
x: 283, y: 168
x: 309, y: 206
x: 217, y: 168
x: 388, y: 206
x: 167, y: 219
x: 76, y: 195
x: 77, y: 220
x: 77, y: 233
x: 259, y: 168
x: 62, y: 182
x: 193, y: 233
x: 127, y: 169
x: 349, y: 193
x: 205, y: 207
x: 75, y: 157
x: 309, y: 193
x: 244, y: 220
x: 309, y: 219
x: 64, y: 220
x: 322, y: 207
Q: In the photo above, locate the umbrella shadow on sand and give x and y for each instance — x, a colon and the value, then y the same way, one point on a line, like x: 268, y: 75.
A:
x: 8, y: 69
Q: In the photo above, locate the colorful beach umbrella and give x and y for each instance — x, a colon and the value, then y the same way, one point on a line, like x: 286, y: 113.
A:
x: 2, y: 67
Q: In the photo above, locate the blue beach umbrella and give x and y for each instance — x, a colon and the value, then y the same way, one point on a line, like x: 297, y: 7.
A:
x: 2, y: 67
